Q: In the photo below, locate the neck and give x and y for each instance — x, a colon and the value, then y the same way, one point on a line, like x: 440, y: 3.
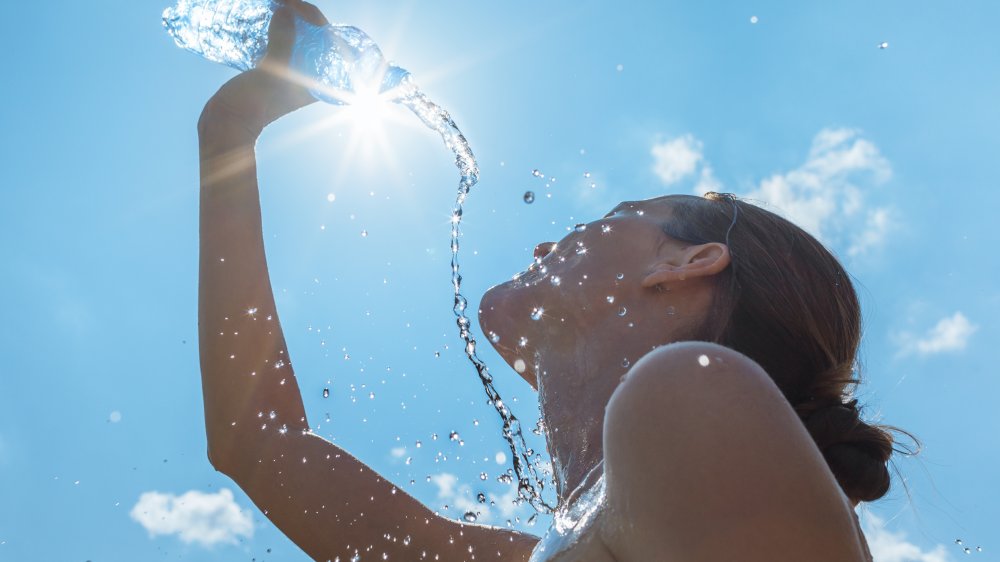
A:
x: 574, y: 389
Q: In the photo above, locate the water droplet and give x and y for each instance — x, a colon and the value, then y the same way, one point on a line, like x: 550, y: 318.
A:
x: 620, y: 276
x: 519, y: 365
x: 623, y: 311
x: 586, y: 174
x: 754, y: 19
x: 453, y: 436
x: 883, y: 45
x: 364, y: 234
x: 481, y: 497
x: 605, y: 228
x: 115, y: 417
x: 522, y: 341
x: 958, y: 541
x: 418, y: 444
x: 437, y: 354
x: 671, y: 311
x: 537, y: 174
x: 272, y: 414
x: 620, y: 67
x: 626, y: 363
x: 470, y: 517
x: 283, y: 430
x: 483, y: 476
x: 580, y: 227
x: 371, y: 395
x: 494, y: 337
x: 529, y: 197
x: 331, y: 197
x: 537, y: 313
x: 555, y: 280
x: 703, y: 360
x: 504, y: 478
x: 406, y: 540
x: 532, y: 519
x: 610, y: 299
x: 326, y: 393
x: 967, y: 550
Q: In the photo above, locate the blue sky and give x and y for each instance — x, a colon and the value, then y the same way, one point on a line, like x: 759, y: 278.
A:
x: 888, y: 154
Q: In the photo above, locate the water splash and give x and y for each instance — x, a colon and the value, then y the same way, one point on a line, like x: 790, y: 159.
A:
x: 530, y: 484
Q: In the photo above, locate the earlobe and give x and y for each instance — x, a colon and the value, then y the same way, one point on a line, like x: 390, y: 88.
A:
x: 703, y: 260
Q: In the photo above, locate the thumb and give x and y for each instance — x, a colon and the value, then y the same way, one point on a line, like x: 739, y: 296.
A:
x: 280, y: 35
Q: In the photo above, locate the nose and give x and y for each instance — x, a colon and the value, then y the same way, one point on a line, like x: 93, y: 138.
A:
x: 543, y: 249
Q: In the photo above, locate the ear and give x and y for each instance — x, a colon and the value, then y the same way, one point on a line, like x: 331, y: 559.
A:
x: 703, y: 260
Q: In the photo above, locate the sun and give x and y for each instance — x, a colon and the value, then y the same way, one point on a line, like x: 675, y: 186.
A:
x: 366, y: 110
x: 365, y: 113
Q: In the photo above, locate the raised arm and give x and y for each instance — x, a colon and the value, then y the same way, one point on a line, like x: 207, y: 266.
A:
x: 325, y: 500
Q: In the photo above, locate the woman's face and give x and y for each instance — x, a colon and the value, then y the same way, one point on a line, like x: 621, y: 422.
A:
x: 587, y: 289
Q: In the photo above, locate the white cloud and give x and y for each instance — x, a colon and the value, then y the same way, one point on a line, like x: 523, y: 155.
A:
x: 677, y: 158
x: 826, y: 195
x: 949, y: 334
x: 877, y: 227
x: 195, y: 517
x: 888, y: 546
x: 823, y: 196
x: 707, y: 181
x: 460, y: 500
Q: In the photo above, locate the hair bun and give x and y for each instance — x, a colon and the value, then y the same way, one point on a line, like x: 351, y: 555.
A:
x: 856, y: 452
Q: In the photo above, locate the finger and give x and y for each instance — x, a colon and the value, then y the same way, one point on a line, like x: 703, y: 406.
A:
x: 281, y: 35
x: 310, y: 13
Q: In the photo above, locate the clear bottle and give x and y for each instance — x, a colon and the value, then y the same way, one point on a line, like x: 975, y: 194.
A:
x: 342, y: 60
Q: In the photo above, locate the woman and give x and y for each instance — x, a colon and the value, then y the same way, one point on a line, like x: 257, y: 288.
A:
x: 711, y: 422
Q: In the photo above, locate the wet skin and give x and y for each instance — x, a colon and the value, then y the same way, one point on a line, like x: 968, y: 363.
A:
x: 701, y: 463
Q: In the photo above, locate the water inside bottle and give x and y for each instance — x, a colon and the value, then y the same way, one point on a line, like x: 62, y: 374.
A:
x: 230, y: 32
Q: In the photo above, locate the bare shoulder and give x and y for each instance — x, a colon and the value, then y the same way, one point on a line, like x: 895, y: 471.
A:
x: 706, y: 460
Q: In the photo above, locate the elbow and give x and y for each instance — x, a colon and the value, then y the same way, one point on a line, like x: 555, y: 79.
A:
x: 218, y: 461
x: 223, y: 455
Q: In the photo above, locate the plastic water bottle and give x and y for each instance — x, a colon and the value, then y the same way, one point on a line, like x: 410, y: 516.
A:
x: 342, y: 60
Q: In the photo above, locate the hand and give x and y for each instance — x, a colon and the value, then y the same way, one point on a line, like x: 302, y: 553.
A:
x: 260, y: 96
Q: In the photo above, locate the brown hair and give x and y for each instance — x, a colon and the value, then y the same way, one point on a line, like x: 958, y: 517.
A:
x: 787, y: 303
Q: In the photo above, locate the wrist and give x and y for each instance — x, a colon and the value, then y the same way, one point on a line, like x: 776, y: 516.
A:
x: 220, y: 122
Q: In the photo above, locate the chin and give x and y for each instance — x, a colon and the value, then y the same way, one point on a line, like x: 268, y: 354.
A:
x: 494, y: 313
x: 502, y: 312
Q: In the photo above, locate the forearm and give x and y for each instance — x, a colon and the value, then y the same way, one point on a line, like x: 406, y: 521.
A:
x: 245, y: 366
x: 332, y: 505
